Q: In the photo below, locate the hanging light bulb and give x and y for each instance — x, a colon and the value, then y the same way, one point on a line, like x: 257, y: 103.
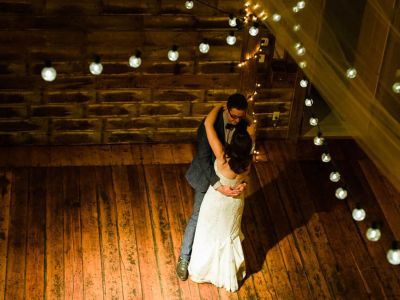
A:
x: 318, y: 140
x: 313, y: 121
x: 276, y: 17
x: 341, y: 193
x: 135, y: 61
x: 373, y: 233
x: 231, y: 39
x: 232, y: 21
x: 296, y: 27
x: 96, y: 67
x: 326, y: 157
x: 295, y: 9
x: 48, y: 72
x: 393, y: 255
x: 396, y: 87
x: 351, y: 73
x: 253, y: 30
x: 301, y: 51
x: 301, y: 4
x: 189, y: 4
x: 303, y: 83
x: 297, y: 46
x: 302, y: 64
x: 308, y: 102
x: 173, y: 53
x: 204, y: 47
x: 334, y: 176
x: 358, y: 213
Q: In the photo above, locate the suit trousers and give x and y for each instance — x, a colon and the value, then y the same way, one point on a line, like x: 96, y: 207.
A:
x: 190, y: 230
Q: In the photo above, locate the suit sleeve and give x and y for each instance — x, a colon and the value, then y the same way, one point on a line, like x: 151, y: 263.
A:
x: 206, y: 156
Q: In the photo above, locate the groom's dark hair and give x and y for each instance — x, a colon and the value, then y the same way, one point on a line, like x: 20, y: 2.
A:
x: 237, y: 101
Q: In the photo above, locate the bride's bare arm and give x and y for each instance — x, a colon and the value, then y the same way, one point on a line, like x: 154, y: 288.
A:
x: 212, y: 136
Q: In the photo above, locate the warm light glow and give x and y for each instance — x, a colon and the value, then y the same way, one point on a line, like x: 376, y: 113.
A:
x: 393, y: 255
x: 334, y: 176
x: 135, y: 61
x: 308, y: 102
x: 358, y: 214
x: 276, y: 17
x: 341, y: 193
x: 49, y: 73
x: 296, y: 27
x: 373, y: 234
x: 96, y: 68
x: 351, y: 73
x: 232, y: 21
x: 253, y: 30
x: 302, y: 64
x: 301, y: 4
x: 318, y: 141
x: 231, y: 39
x: 326, y: 157
x: 303, y: 83
x: 204, y: 47
x: 396, y: 87
x: 313, y: 121
x: 173, y: 54
x: 189, y: 4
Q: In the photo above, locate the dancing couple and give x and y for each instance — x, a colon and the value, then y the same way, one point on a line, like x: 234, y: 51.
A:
x: 211, y: 249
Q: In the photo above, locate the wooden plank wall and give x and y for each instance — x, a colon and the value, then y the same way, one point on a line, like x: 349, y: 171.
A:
x: 161, y: 101
x: 111, y: 227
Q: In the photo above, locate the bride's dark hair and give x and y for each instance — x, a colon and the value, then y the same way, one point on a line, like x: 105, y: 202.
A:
x: 238, y: 151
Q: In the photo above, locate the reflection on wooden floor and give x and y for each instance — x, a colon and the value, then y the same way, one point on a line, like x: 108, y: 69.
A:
x: 107, y: 222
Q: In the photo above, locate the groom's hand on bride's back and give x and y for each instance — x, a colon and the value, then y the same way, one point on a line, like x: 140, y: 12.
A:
x: 232, y: 191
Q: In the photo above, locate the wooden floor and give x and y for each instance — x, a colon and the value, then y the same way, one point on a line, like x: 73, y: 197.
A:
x: 107, y: 223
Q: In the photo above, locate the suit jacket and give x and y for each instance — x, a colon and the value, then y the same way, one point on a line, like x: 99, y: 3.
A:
x: 201, y: 173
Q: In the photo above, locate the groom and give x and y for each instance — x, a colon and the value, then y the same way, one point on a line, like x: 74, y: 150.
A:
x: 201, y: 173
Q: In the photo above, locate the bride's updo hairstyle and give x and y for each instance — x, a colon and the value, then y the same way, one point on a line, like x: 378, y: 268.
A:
x: 238, y: 151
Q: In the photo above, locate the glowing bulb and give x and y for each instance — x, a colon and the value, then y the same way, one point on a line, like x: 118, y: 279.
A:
x: 373, y: 234
x: 393, y: 255
x: 296, y: 27
x: 358, y: 214
x: 396, y: 87
x: 341, y: 193
x: 276, y: 17
x: 49, y: 73
x: 301, y: 51
x: 303, y: 83
x: 232, y: 21
x: 253, y: 30
x: 351, y: 73
x: 318, y: 141
x: 326, y: 157
x: 334, y: 176
x: 313, y: 121
x: 204, y: 47
x: 231, y: 39
x: 297, y: 46
x: 135, y: 61
x: 173, y: 54
x: 308, y: 102
x: 189, y: 4
x: 96, y: 68
x: 301, y: 4
x: 295, y: 9
x: 302, y: 64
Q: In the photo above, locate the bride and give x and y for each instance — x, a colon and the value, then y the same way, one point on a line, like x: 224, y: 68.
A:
x: 217, y: 254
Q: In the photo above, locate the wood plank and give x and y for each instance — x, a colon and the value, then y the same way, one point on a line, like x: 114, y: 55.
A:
x: 109, y: 236
x: 343, y: 249
x: 149, y: 276
x: 182, y: 153
x: 73, y: 260
x: 284, y: 273
x: 316, y: 284
x: 255, y: 242
x: 55, y: 281
x: 35, y: 256
x: 17, y: 235
x: 162, y: 232
x: 5, y: 203
x: 91, y: 255
x: 130, y: 271
x: 162, y: 153
x: 171, y: 187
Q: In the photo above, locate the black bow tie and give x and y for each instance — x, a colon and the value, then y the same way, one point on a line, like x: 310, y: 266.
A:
x: 229, y: 126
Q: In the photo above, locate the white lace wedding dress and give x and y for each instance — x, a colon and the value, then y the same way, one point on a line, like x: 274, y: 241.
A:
x: 217, y: 253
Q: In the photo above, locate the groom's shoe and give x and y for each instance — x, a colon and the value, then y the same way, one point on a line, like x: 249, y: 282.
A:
x: 182, y: 269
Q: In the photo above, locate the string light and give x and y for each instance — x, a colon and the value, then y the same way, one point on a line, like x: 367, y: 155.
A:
x: 48, y: 72
x: 231, y: 39
x: 253, y: 30
x: 313, y: 121
x: 96, y: 67
x: 334, y: 176
x: 373, y: 233
x: 296, y: 27
x: 326, y: 157
x: 351, y: 73
x: 341, y: 193
x: 303, y: 83
x: 301, y: 4
x: 308, y: 102
x: 189, y: 4
x: 393, y: 255
x: 204, y: 47
x: 173, y: 53
x: 135, y: 61
x: 358, y: 213
x: 232, y: 21
x: 276, y: 17
x: 396, y: 87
